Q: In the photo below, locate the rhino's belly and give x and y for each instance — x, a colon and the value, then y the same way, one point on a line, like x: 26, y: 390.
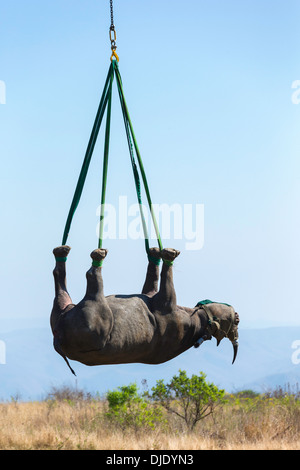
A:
x: 134, y: 323
x: 131, y: 336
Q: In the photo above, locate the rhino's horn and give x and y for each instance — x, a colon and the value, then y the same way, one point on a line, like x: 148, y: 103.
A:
x: 235, y: 350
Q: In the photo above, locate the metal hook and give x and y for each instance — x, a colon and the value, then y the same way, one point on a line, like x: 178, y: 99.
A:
x: 114, y: 54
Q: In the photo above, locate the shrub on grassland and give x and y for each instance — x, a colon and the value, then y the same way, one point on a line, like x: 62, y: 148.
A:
x: 129, y: 409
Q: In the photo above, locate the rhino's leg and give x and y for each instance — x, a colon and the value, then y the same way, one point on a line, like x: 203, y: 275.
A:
x: 94, y: 289
x: 165, y: 300
x: 62, y: 297
x: 152, y: 277
x: 96, y: 304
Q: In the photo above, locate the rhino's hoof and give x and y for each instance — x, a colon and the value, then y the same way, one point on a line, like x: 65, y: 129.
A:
x: 155, y: 252
x: 169, y: 254
x: 61, y: 251
x: 99, y: 254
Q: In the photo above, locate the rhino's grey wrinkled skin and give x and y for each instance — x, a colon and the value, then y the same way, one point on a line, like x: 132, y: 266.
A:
x: 146, y: 328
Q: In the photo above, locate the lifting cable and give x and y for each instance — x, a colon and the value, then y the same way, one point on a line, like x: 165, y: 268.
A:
x: 105, y: 104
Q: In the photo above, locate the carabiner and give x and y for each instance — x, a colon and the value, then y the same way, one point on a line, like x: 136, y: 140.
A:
x: 114, y: 54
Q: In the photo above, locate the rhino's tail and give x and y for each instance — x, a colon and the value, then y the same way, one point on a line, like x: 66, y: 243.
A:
x: 59, y: 351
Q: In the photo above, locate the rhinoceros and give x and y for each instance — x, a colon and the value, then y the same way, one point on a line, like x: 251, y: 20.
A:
x: 147, y: 328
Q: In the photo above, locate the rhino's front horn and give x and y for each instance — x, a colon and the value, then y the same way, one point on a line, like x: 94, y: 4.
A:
x: 235, y: 345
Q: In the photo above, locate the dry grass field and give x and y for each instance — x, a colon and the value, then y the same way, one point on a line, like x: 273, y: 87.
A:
x: 260, y: 423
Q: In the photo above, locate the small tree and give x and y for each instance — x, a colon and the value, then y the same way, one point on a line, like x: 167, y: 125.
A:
x: 192, y: 399
x: 129, y: 409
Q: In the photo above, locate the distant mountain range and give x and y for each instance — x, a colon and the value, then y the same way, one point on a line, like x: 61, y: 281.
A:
x: 264, y: 362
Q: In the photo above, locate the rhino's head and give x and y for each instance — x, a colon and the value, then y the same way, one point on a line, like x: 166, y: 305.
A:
x: 222, y: 322
x: 227, y: 327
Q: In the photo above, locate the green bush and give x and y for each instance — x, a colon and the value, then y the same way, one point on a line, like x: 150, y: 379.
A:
x: 128, y: 409
x: 192, y: 399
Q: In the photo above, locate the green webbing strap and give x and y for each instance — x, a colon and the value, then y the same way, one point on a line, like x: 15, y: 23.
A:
x: 105, y: 159
x: 134, y: 167
x: 168, y: 262
x: 154, y: 260
x: 97, y: 264
x: 105, y: 101
x: 141, y: 166
x: 61, y: 260
x: 88, y: 155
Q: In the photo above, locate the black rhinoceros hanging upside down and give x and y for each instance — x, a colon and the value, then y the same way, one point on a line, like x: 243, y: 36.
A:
x: 147, y: 328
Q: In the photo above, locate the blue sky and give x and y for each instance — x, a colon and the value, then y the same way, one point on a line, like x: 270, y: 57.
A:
x: 209, y: 87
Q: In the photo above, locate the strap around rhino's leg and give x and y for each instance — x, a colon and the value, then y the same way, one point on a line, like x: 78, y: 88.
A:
x: 94, y: 278
x: 165, y: 300
x: 152, y: 277
x: 62, y: 297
